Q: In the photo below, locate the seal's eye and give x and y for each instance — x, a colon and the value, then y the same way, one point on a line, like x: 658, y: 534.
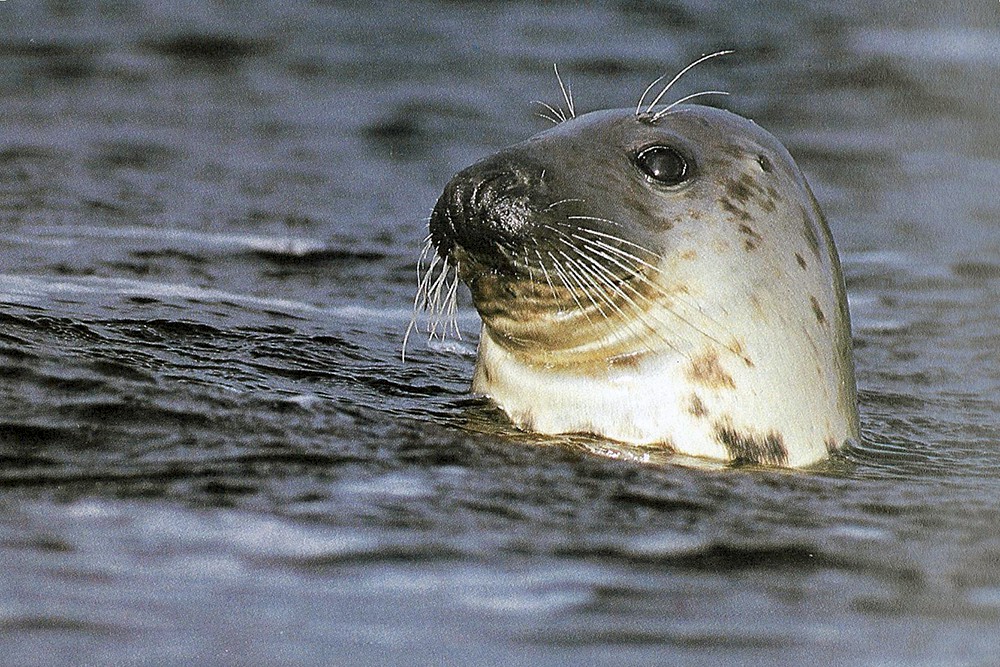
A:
x: 663, y: 164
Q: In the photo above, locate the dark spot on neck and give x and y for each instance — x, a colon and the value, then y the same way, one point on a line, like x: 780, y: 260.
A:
x: 753, y: 238
x: 696, y: 408
x: 809, y: 232
x: 739, y: 191
x: 729, y: 207
x: 706, y: 370
x: 748, y: 448
x: 817, y: 311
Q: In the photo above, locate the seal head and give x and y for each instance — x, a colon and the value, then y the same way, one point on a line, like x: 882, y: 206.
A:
x: 660, y: 279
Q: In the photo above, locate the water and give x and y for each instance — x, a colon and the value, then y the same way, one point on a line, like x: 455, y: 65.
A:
x: 213, y: 454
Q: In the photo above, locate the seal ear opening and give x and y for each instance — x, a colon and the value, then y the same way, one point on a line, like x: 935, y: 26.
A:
x: 664, y: 165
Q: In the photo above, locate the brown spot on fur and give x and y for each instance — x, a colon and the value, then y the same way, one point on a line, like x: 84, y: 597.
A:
x: 706, y: 370
x: 800, y: 260
x: 810, y: 234
x: 831, y: 445
x: 731, y: 208
x: 696, y: 407
x: 754, y: 238
x: 746, y: 447
x: 817, y: 311
x: 758, y: 307
x: 689, y: 255
x: 739, y: 191
x: 736, y: 347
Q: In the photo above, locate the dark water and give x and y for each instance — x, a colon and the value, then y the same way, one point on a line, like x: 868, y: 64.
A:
x: 212, y: 454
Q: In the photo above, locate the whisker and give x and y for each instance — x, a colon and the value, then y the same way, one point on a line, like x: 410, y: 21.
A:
x: 563, y: 201
x: 545, y: 272
x: 630, y: 258
x: 674, y: 297
x: 664, y: 111
x: 437, y: 296
x: 595, y: 219
x: 566, y: 91
x: 656, y: 100
x: 557, y: 116
x: 602, y: 274
x: 571, y: 269
x: 451, y: 313
x: 562, y: 278
x: 598, y: 274
x: 618, y: 239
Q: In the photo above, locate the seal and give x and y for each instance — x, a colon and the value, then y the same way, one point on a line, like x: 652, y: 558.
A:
x: 661, y: 276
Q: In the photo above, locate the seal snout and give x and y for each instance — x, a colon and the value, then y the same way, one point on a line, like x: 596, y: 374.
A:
x: 486, y: 210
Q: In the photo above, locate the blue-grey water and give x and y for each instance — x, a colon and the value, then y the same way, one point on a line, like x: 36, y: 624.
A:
x: 211, y: 452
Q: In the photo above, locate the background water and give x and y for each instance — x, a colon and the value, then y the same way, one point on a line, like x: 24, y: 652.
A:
x: 211, y: 453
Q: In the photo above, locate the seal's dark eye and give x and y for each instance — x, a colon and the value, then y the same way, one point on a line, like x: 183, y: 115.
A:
x: 664, y: 165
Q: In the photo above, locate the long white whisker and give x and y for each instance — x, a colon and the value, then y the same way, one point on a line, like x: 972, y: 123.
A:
x: 563, y: 201
x: 557, y: 114
x: 664, y: 111
x: 602, y: 274
x: 545, y: 272
x: 613, y: 223
x: 566, y: 91
x: 562, y: 278
x: 451, y: 312
x: 631, y: 258
x: 572, y: 269
x: 597, y: 273
x: 619, y: 251
x: 619, y: 240
x: 638, y: 107
x: 437, y: 296
x: 674, y: 297
x: 656, y: 100
x: 614, y: 284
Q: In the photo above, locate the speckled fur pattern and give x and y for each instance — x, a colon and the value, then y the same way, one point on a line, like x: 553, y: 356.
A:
x: 709, y: 318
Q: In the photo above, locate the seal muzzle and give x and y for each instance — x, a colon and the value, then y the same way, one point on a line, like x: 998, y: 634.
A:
x: 487, y: 211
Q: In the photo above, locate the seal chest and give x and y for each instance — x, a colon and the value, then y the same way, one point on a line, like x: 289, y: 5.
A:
x: 659, y: 279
